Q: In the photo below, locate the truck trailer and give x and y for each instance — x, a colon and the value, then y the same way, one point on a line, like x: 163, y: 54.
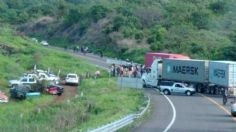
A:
x: 206, y: 76
x: 223, y: 73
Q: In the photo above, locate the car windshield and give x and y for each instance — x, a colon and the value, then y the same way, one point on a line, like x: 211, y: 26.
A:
x: 71, y: 76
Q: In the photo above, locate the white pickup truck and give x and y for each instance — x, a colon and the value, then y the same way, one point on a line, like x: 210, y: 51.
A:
x: 169, y: 87
x: 44, y: 76
x: 22, y: 81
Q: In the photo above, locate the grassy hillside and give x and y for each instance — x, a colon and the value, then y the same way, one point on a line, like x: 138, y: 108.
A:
x: 19, y: 54
x: 129, y: 28
x: 94, y: 98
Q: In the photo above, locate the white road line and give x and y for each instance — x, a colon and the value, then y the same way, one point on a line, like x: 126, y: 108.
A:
x: 174, y: 113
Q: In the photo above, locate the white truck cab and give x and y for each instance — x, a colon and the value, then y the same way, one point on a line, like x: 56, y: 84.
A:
x: 151, y: 76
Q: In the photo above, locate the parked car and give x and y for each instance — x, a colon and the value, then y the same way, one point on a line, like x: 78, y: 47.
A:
x: 233, y: 108
x: 44, y: 76
x: 169, y: 87
x: 44, y: 43
x: 55, y: 89
x: 72, y: 78
x: 18, y: 92
x: 22, y: 81
x: 22, y: 92
x: 3, y: 97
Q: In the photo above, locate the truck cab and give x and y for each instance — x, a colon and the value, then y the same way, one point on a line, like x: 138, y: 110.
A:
x: 153, y: 74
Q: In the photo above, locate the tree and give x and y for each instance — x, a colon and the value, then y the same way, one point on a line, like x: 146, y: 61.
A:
x: 97, y: 12
x: 73, y: 17
x: 218, y: 7
x: 228, y: 53
x: 200, y: 19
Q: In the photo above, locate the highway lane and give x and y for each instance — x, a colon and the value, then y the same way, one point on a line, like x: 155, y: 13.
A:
x: 193, y: 114
x: 197, y: 114
x: 161, y: 113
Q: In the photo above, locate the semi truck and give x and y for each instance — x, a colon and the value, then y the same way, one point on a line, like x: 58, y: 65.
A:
x: 204, y: 75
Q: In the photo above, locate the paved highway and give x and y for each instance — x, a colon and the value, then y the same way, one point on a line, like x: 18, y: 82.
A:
x: 193, y: 114
x: 180, y: 113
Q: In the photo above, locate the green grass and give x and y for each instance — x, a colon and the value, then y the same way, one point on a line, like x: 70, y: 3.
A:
x: 14, y: 114
x: 102, y: 100
x: 109, y: 102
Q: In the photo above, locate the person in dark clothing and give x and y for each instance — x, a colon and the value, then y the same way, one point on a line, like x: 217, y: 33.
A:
x: 113, y: 70
x: 82, y: 49
x: 101, y: 54
x: 225, y: 95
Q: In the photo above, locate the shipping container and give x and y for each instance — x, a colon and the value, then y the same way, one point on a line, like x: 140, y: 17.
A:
x: 185, y: 70
x: 150, y: 56
x: 223, y: 73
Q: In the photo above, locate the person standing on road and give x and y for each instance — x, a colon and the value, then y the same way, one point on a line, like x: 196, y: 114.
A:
x: 225, y: 95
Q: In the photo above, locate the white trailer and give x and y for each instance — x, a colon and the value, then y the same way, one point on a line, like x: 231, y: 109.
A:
x: 223, y: 73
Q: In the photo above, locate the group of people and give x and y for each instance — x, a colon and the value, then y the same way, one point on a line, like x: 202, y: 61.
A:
x: 82, y: 49
x: 126, y: 70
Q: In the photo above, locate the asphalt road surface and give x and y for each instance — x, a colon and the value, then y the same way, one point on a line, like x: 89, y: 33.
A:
x: 197, y: 113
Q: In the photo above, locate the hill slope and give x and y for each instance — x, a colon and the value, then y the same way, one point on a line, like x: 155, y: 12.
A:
x: 129, y: 28
x: 95, y: 98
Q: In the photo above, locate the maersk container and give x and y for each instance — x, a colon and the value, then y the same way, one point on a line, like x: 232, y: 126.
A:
x: 223, y: 73
x: 185, y: 70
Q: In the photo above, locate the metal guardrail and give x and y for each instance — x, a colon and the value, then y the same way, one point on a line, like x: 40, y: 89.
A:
x: 118, y: 124
x: 130, y: 82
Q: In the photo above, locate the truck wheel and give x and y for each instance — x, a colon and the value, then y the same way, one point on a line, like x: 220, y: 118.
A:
x: 144, y: 84
x: 188, y: 93
x: 166, y: 92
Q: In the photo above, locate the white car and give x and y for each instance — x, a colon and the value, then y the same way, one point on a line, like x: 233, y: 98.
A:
x: 72, y: 78
x: 233, y: 108
x: 169, y: 87
x: 44, y: 43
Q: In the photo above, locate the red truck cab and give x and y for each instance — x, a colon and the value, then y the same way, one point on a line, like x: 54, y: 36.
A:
x: 150, y: 56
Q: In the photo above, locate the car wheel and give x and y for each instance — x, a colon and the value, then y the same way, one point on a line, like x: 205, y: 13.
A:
x: 166, y: 92
x: 59, y: 94
x: 188, y: 93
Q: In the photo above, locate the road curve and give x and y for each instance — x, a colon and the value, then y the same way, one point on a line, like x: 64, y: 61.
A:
x: 193, y: 114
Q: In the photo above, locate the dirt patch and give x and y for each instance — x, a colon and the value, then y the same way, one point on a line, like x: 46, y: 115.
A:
x: 69, y: 92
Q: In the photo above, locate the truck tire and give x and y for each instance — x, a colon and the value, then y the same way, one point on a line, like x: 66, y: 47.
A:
x: 166, y: 92
x: 188, y: 93
x: 144, y: 84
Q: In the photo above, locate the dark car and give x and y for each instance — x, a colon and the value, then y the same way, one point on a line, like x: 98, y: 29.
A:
x: 18, y: 92
x: 55, y: 89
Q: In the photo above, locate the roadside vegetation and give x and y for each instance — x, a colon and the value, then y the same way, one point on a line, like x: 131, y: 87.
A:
x: 96, y: 102
x: 129, y: 28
